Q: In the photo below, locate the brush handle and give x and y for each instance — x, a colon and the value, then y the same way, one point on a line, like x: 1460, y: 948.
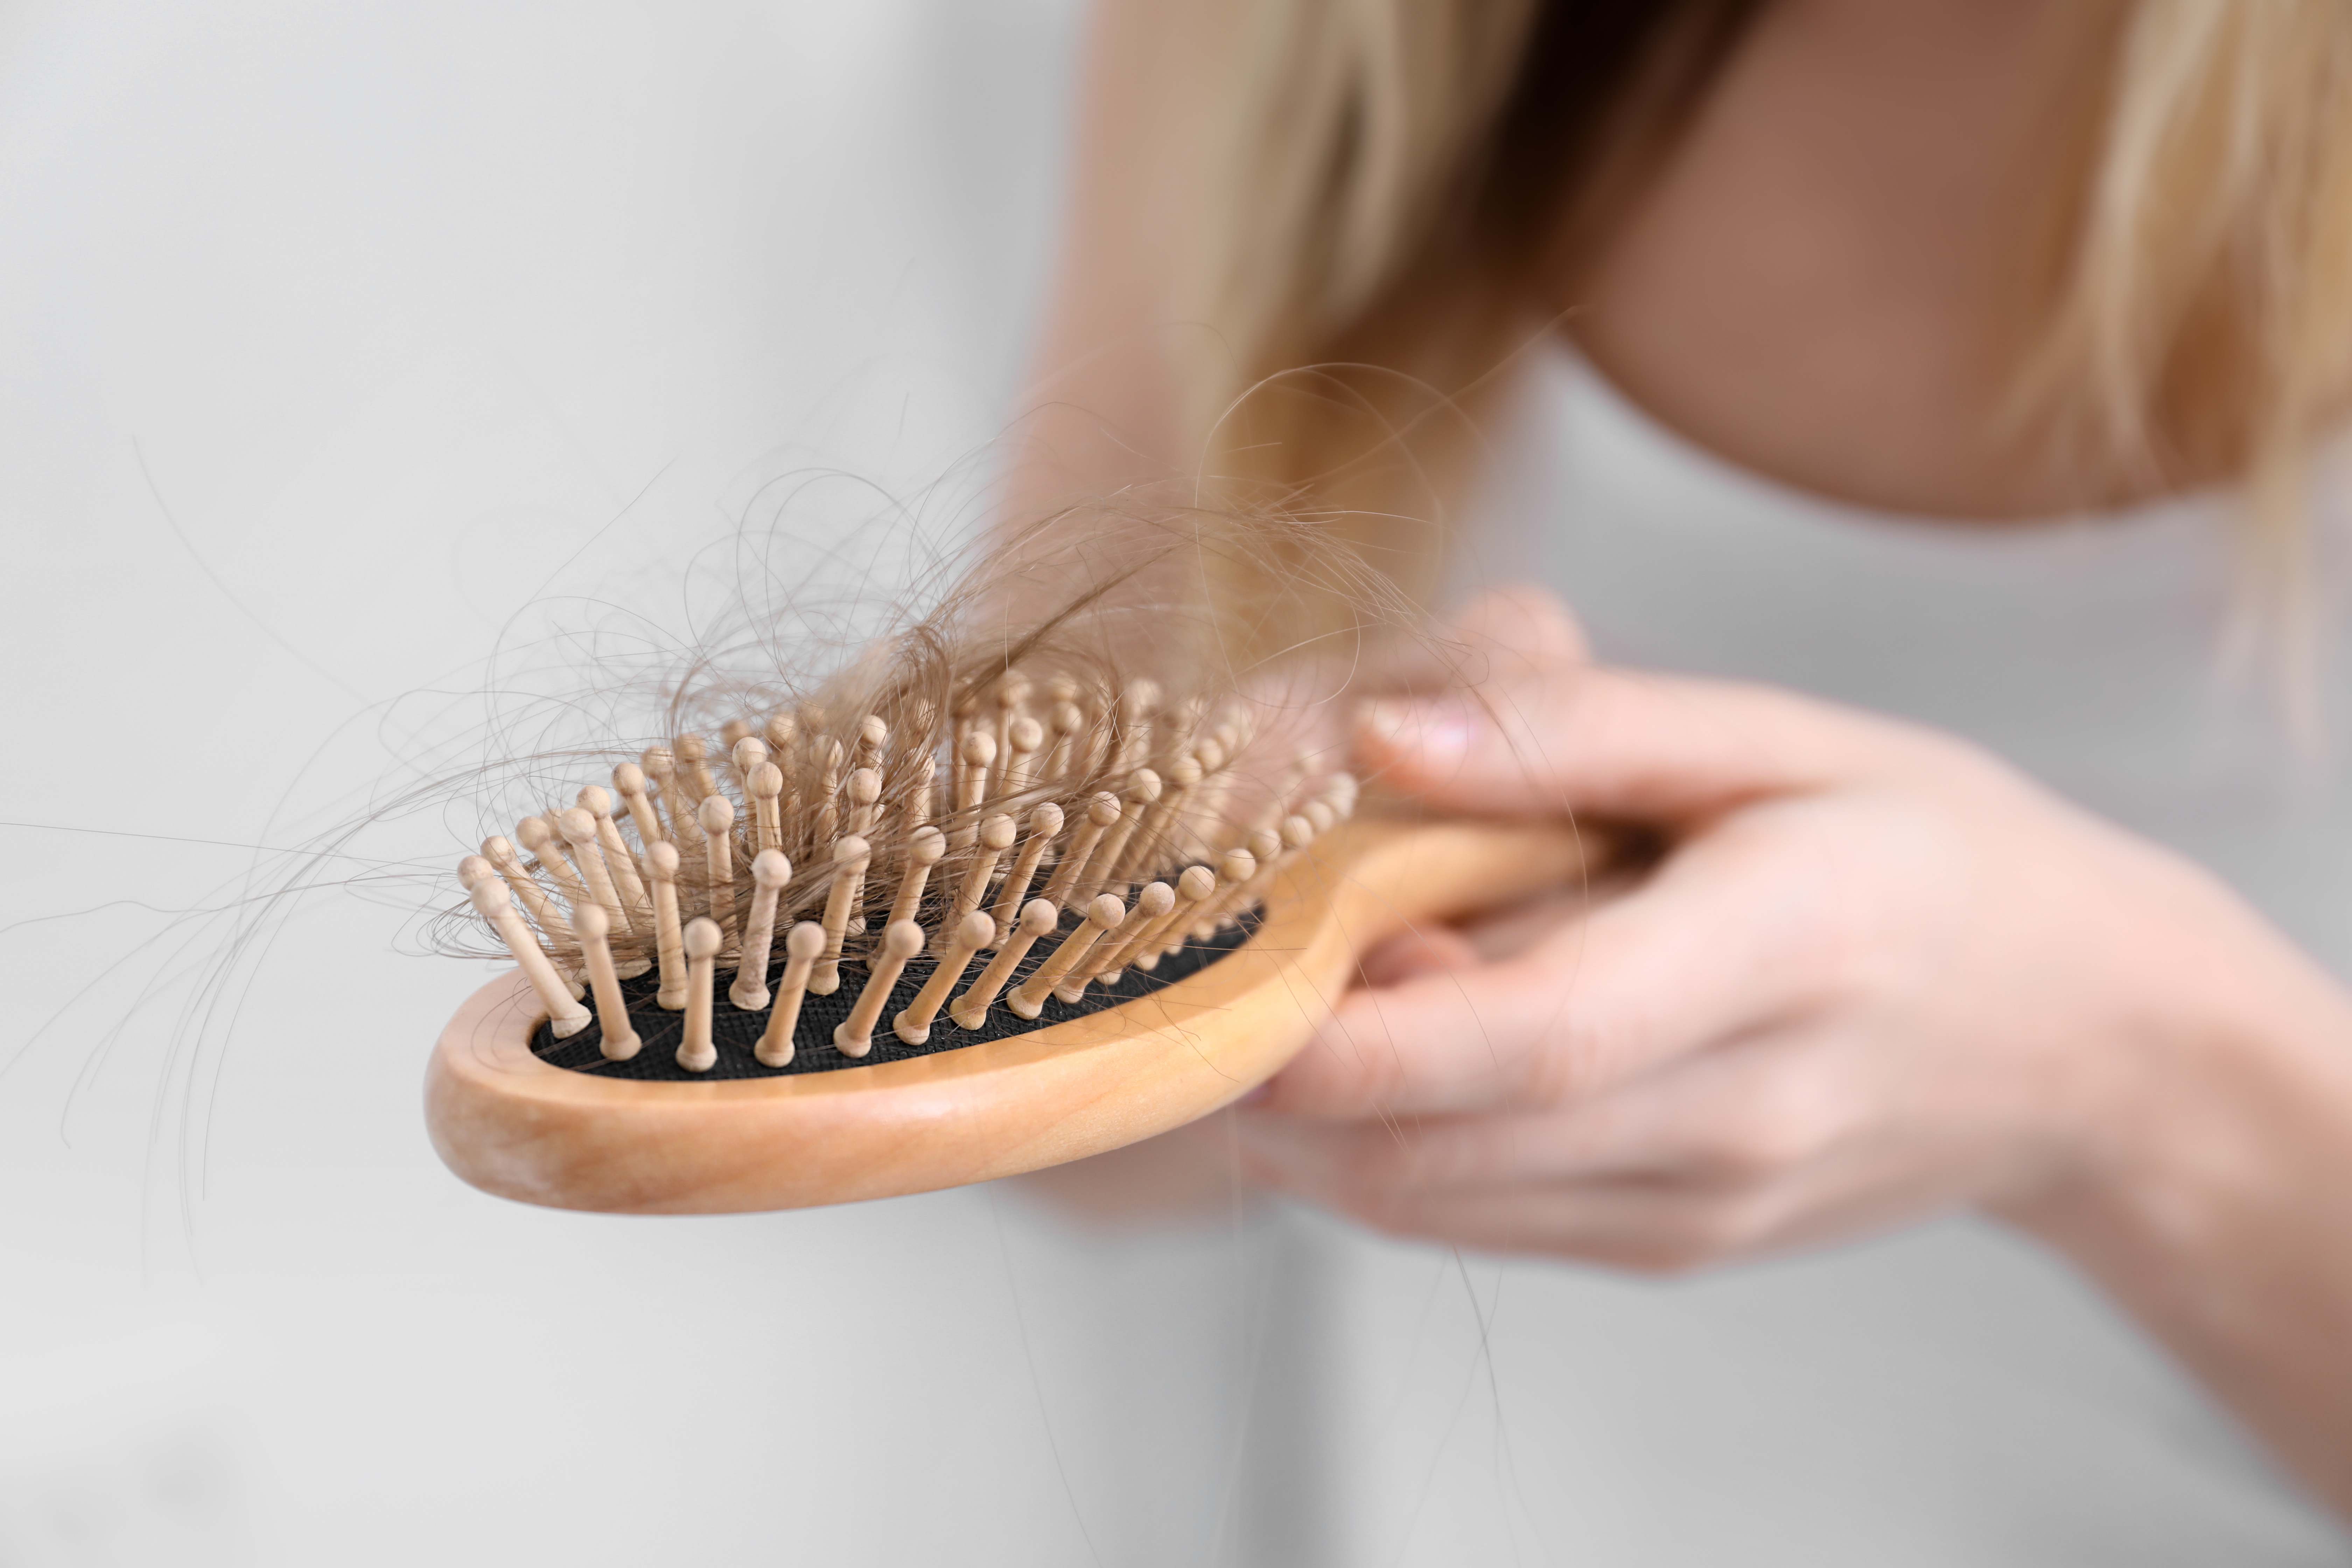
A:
x: 511, y: 1124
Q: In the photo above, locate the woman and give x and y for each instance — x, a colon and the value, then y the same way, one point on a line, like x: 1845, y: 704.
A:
x: 1919, y: 354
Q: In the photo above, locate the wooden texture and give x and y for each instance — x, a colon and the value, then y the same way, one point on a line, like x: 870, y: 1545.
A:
x: 513, y: 1125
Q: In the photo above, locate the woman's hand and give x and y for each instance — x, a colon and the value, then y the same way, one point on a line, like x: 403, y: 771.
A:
x: 1878, y: 974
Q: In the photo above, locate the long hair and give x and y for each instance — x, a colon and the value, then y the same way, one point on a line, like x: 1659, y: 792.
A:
x: 1402, y: 173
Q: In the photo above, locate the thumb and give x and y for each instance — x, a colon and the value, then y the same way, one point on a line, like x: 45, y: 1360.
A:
x: 1618, y: 742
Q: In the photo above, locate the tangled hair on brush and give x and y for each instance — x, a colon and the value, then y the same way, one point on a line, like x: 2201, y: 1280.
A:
x: 1208, y: 602
x: 1113, y: 639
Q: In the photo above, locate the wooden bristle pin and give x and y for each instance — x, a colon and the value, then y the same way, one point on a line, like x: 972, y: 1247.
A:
x: 1024, y: 738
x: 828, y: 795
x: 693, y: 755
x: 661, y: 766
x: 784, y: 734
x: 622, y: 865
x: 995, y: 838
x: 661, y: 865
x: 858, y: 889
x: 970, y: 1009
x: 1277, y: 803
x: 538, y: 835
x: 692, y: 774
x: 1103, y: 915
x: 1110, y: 955
x: 717, y: 815
x: 913, y: 1026
x: 1155, y: 837
x: 803, y: 945
x: 1176, y: 736
x: 1343, y: 792
x: 1234, y: 873
x: 1101, y: 812
x: 1265, y: 848
x: 731, y: 733
x: 629, y: 783
x: 1208, y: 808
x: 770, y: 873
x: 918, y: 793
x: 475, y: 869
x: 620, y: 1040
x: 1297, y: 834
x: 1062, y: 762
x: 1101, y: 875
x: 1045, y: 822
x: 535, y: 902
x: 864, y: 801
x: 923, y: 852
x: 597, y: 802
x: 749, y: 754
x: 654, y: 773
x: 1137, y: 705
x: 1010, y: 694
x: 1194, y: 889
x: 849, y: 857
x: 580, y: 832
x: 873, y: 742
x: 495, y: 903
x: 767, y: 806
x: 900, y: 942
x: 696, y: 1053
x: 961, y: 727
x: 979, y: 753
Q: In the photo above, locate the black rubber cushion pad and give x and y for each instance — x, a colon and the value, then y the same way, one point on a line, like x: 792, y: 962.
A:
x: 734, y: 1032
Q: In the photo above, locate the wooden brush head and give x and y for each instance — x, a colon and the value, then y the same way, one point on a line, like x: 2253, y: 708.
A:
x: 955, y: 814
x: 972, y: 906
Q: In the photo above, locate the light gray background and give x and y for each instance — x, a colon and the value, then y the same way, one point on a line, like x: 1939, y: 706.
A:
x: 417, y: 314
x: 341, y: 346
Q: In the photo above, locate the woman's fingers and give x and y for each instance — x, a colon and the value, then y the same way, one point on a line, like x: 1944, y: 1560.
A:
x: 1647, y: 747
x: 1506, y: 634
x: 1719, y: 1122
x: 1652, y: 1225
x: 1424, y: 949
x: 1517, y: 632
x: 1693, y: 958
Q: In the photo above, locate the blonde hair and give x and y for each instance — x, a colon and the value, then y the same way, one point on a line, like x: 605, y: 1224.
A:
x: 1372, y: 254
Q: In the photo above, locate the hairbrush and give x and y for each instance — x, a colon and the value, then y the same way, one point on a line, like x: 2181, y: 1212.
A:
x: 932, y: 944
x: 1056, y: 865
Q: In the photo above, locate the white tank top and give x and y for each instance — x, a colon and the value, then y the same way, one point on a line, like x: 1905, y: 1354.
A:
x: 1952, y: 1394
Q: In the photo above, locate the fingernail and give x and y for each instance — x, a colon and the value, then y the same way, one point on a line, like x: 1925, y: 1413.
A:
x: 1440, y: 731
x: 1257, y: 1095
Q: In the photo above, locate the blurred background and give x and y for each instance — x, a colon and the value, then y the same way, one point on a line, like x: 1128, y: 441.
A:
x: 346, y: 353
x: 332, y: 339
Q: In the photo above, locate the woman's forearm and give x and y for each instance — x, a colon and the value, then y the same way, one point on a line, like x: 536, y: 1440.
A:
x: 1878, y: 974
x: 1106, y: 403
x: 2220, y: 1210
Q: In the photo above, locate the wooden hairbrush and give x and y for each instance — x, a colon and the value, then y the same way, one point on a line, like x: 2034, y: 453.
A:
x: 1024, y: 941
